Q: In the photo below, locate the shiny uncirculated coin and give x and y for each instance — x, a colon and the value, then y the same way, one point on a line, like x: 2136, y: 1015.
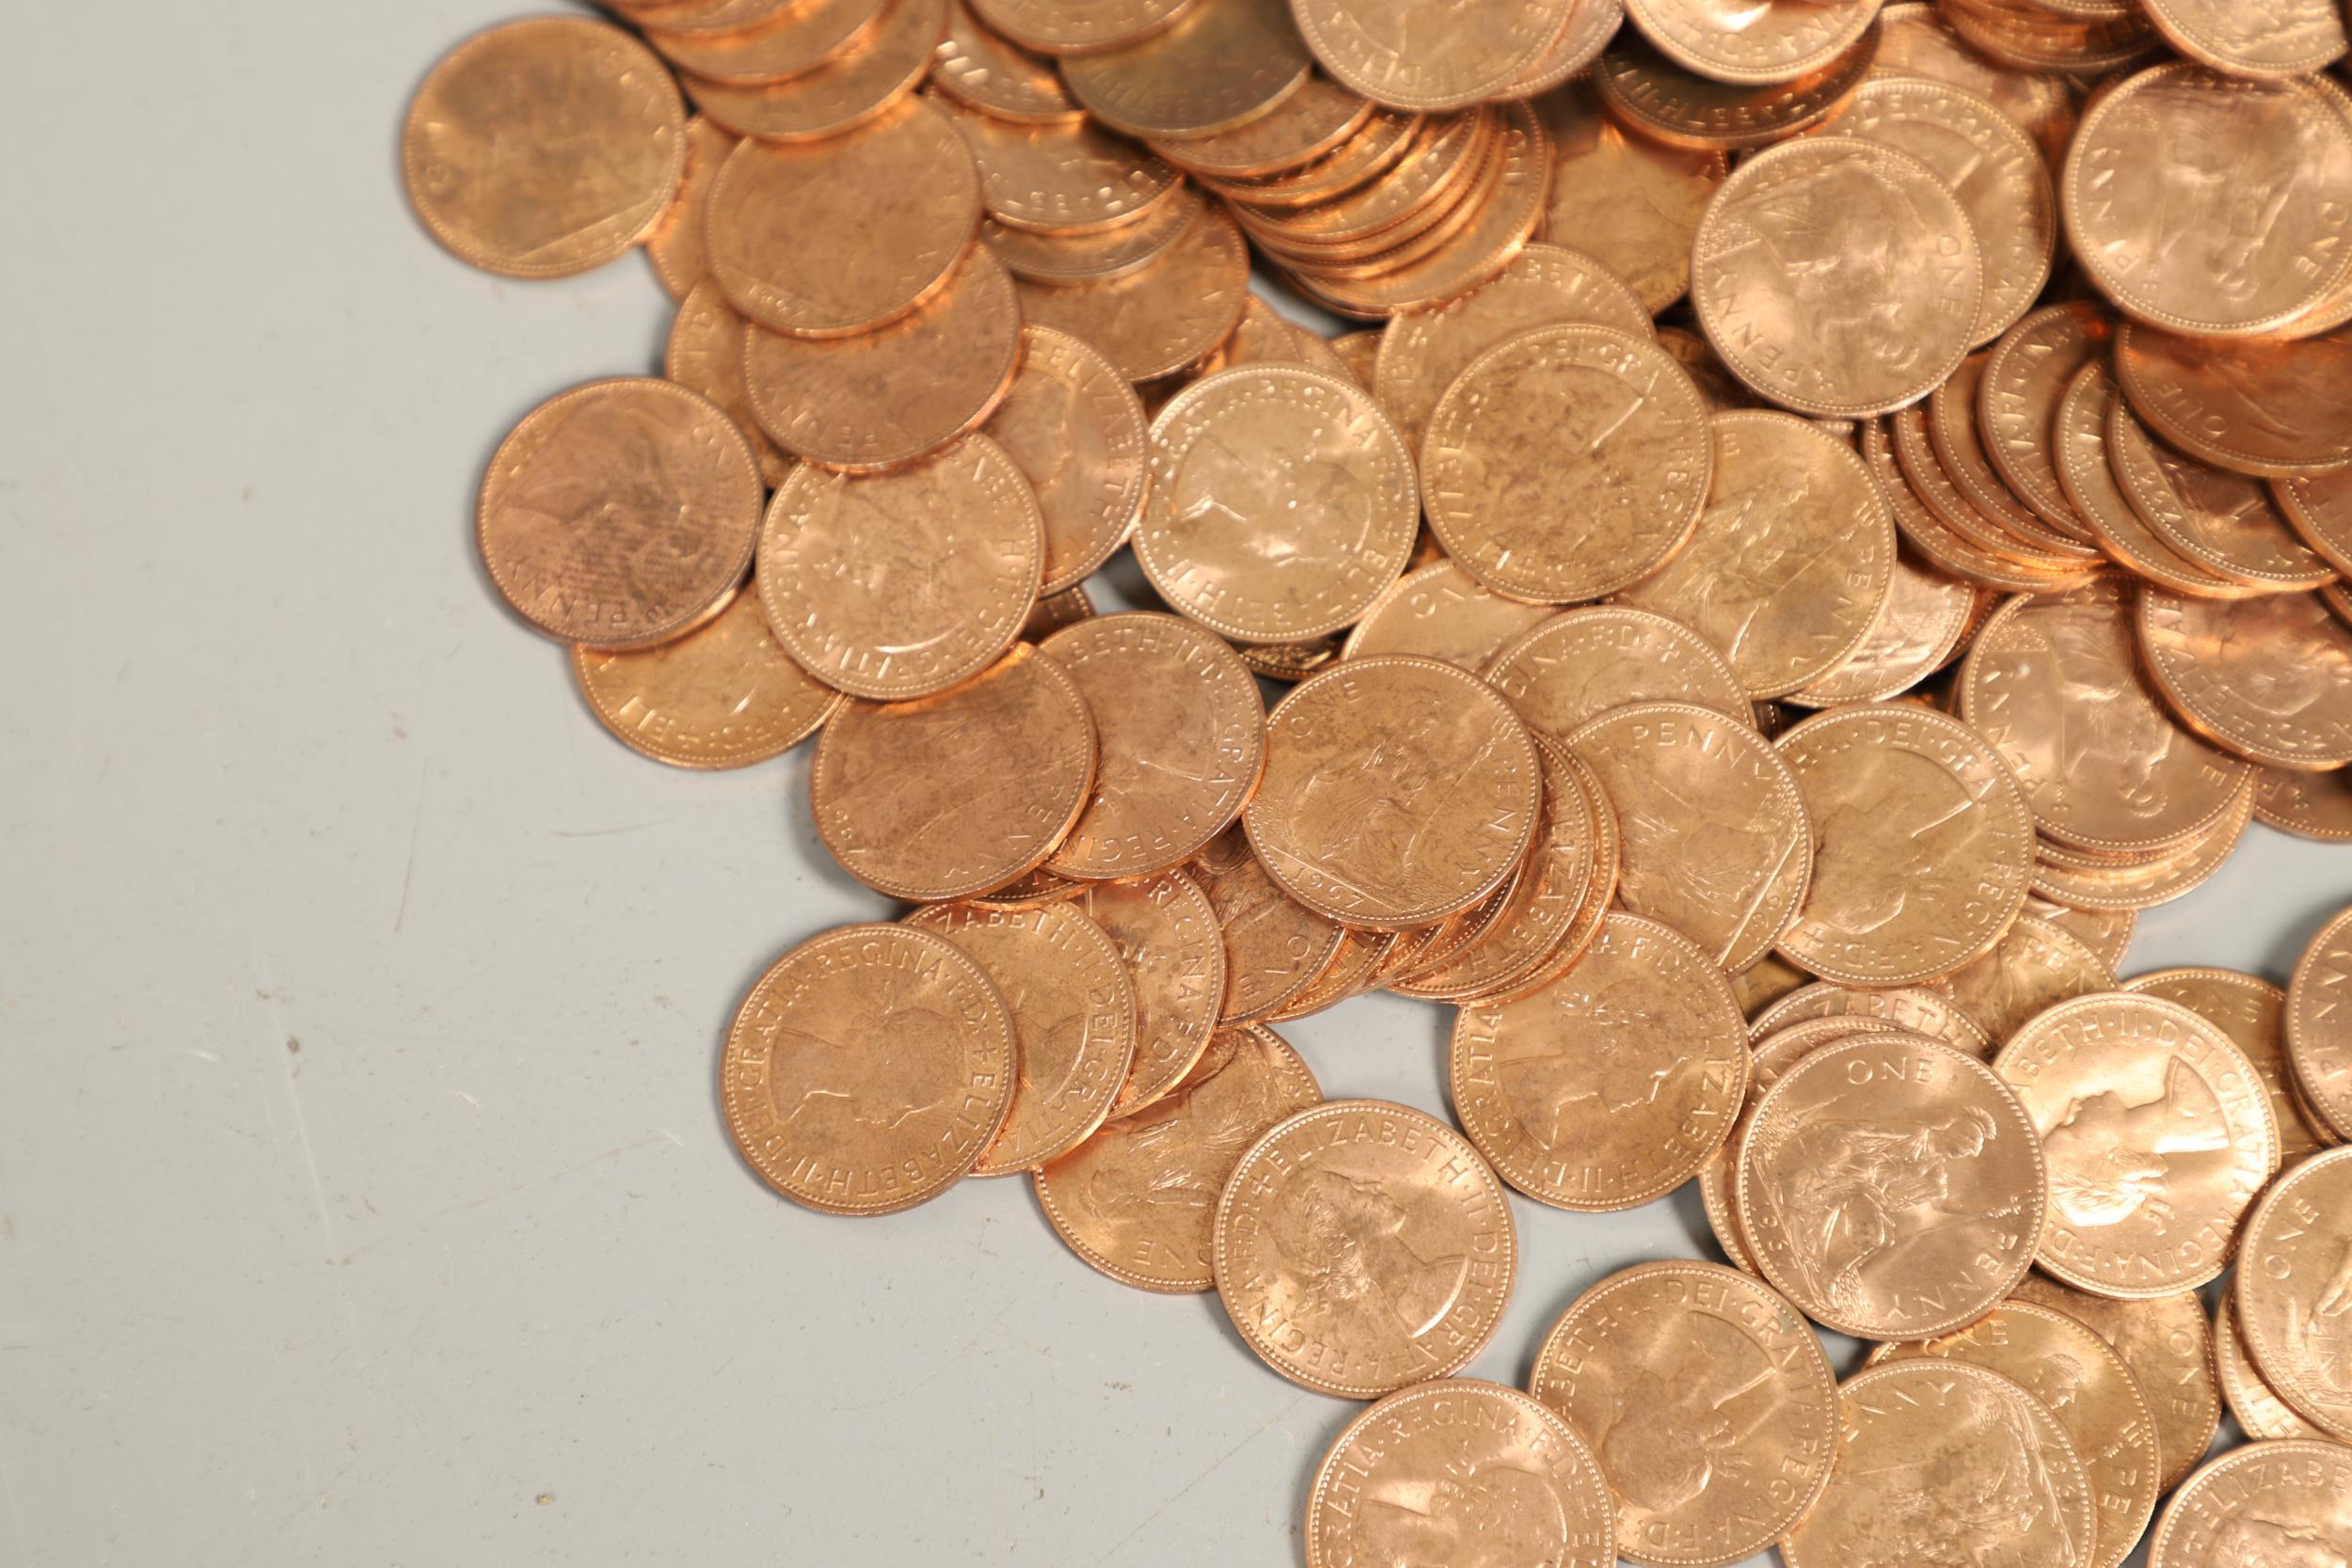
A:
x: 1138, y: 1200
x: 1663, y: 102
x: 1630, y: 204
x: 2034, y: 965
x: 1439, y: 612
x: 1075, y: 429
x: 1613, y: 1085
x: 2085, y: 413
x: 1838, y: 277
x: 1455, y: 1469
x: 1583, y: 662
x: 891, y: 586
x: 705, y: 354
x: 2287, y: 1496
x: 1274, y: 946
x: 1301, y: 128
x: 867, y: 1069
x: 2285, y: 39
x: 990, y: 71
x: 1751, y: 45
x: 2269, y: 677
x: 1075, y: 27
x: 1915, y: 39
x: 619, y: 513
x: 1167, y: 933
x: 1566, y: 462
x: 1182, y: 733
x: 1096, y: 255
x: 1927, y: 618
x: 2293, y: 1293
x: 1362, y: 1246
x: 724, y: 695
x: 2223, y: 521
x: 674, y: 244
x: 2204, y: 204
x: 2255, y: 1404
x: 1928, y: 1012
x: 2319, y: 1026
x: 959, y: 793
x: 545, y: 146
x: 1219, y: 64
x: 2158, y: 1138
x: 847, y: 89
x: 2252, y: 1012
x: 2168, y: 1344
x: 2145, y: 882
x: 1069, y: 175
x: 1923, y: 845
x: 1283, y: 502
x: 1716, y: 841
x: 2105, y: 933
x: 1891, y: 1186
x: 2024, y: 378
x: 784, y: 40
x: 1397, y: 791
x: 2309, y: 805
x: 1793, y: 557
x: 800, y: 245
x: 1923, y: 1445
x: 2259, y: 405
x: 2083, y: 1383
x: 1708, y: 1401
x: 1425, y: 54
x: 1073, y: 1021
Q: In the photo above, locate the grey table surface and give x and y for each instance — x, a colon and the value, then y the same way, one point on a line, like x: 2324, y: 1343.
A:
x: 363, y: 1196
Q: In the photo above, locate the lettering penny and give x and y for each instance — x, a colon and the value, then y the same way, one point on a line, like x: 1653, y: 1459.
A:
x: 2293, y: 1289
x: 2269, y: 679
x: 1580, y: 663
x: 1274, y: 946
x: 2168, y: 1344
x: 2268, y: 1502
x: 724, y: 695
x: 2319, y: 1027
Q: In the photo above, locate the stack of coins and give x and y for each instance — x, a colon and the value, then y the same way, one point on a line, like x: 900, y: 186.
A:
x: 1842, y: 508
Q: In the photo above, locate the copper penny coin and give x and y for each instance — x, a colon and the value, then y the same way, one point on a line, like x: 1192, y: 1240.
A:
x: 1706, y: 1400
x: 2261, y: 406
x: 1362, y: 1246
x: 2158, y: 1134
x: 1351, y: 973
x: 1634, y: 204
x: 1923, y: 531
x: 893, y: 395
x: 2319, y: 1031
x: 1070, y: 175
x: 2085, y: 413
x: 1914, y: 39
x: 1566, y: 462
x: 1717, y: 844
x: 958, y: 793
x: 2274, y: 1501
x: 544, y: 147
x: 1979, y: 509
x: 1955, y: 1434
x: 1838, y: 277
x: 1657, y: 98
x: 1283, y: 502
x: 674, y: 244
x: 2105, y: 933
x: 891, y: 586
x: 705, y: 354
x: 1075, y: 27
x: 696, y: 19
x: 2031, y: 36
x: 1397, y: 791
x: 1182, y: 731
x: 1578, y: 664
x: 2309, y: 805
x: 2286, y: 39
x: 2055, y: 683
x: 2142, y: 883
x: 1301, y: 128
x: 1926, y: 620
x: 1955, y: 430
x: 1274, y: 946
x: 990, y: 71
x: 1138, y: 1200
x: 1923, y: 845
x: 1727, y: 42
x: 2017, y: 399
x: 1613, y: 1085
x: 1890, y: 1186
x: 867, y: 1069
x: 1095, y: 255
x: 1792, y: 559
x: 2034, y: 965
x: 2270, y: 679
x: 619, y: 513
x: 1425, y: 53
x: 1995, y: 169
x: 2291, y: 1295
x: 2205, y: 204
x: 1921, y: 1012
x: 1422, y: 351
x: 1372, y: 149
x: 1221, y: 64
x: 859, y: 81
x: 1073, y: 1021
x: 1161, y: 317
x: 2168, y: 1344
x: 2252, y: 1012
x: 2255, y: 1404
x: 1264, y: 336
x: 1441, y: 613
x: 2320, y: 509
x: 1762, y: 983
x: 800, y: 245
x: 2222, y: 521
x: 1167, y: 933
x: 787, y: 40
x: 1590, y: 27
x: 1075, y: 429
x: 724, y: 695
x: 2082, y: 1382
x: 1455, y: 1471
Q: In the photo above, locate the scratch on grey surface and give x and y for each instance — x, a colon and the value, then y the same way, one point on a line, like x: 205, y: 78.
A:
x: 607, y: 833
x: 931, y: 1377
x: 469, y: 1204
x: 288, y: 1069
x: 1215, y: 1466
x: 416, y: 829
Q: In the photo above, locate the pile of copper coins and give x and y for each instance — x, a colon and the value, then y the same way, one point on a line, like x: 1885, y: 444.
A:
x: 1841, y: 507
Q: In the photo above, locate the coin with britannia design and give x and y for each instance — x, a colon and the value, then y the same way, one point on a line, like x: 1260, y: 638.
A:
x: 2319, y: 1025
x: 2168, y: 1343
x: 2294, y: 1294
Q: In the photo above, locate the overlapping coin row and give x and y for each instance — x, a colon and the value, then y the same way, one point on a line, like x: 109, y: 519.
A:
x: 1969, y: 377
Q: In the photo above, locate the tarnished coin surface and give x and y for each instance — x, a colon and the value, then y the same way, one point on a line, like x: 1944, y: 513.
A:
x: 1362, y: 1246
